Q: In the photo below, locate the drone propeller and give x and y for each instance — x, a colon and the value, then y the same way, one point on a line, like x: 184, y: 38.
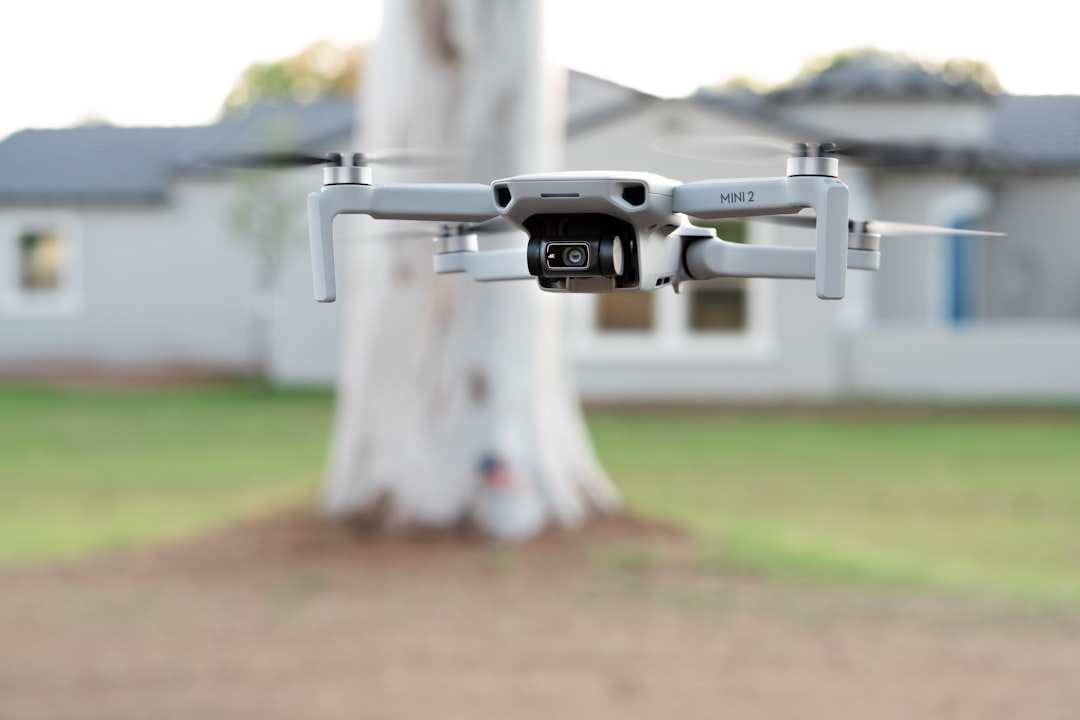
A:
x: 754, y: 150
x: 887, y: 228
x: 269, y: 160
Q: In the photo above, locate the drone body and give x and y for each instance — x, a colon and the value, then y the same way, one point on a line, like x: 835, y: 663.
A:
x: 595, y: 232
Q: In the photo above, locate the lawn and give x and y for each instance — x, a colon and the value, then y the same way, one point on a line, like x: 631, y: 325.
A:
x: 983, y: 500
x: 85, y: 471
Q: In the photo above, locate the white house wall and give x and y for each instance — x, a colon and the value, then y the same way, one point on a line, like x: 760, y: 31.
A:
x: 913, y: 283
x: 1006, y: 351
x: 170, y: 285
x: 626, y: 143
x: 983, y: 362
x: 790, y: 348
x: 797, y: 360
x: 162, y: 285
x: 1034, y: 272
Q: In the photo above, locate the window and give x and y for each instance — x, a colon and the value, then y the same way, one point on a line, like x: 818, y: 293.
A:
x: 40, y: 268
x: 718, y: 306
x: 625, y: 312
x: 44, y: 259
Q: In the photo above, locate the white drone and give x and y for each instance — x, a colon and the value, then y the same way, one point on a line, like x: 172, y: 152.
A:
x: 598, y: 232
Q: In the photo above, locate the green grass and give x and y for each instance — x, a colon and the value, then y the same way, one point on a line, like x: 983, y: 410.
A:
x: 985, y: 501
x: 88, y: 471
x: 980, y: 500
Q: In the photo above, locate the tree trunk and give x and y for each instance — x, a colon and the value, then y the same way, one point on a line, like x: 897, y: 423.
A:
x: 455, y: 400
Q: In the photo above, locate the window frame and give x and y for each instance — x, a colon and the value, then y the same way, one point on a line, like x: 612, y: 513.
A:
x: 67, y: 299
x: 672, y: 339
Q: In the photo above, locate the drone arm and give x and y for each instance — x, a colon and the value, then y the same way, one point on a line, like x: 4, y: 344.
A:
x: 449, y: 202
x: 464, y: 202
x: 485, y: 265
x: 713, y: 258
x: 715, y: 199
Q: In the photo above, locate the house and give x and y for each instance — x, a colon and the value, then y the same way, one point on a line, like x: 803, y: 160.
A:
x: 945, y: 317
x: 116, y: 250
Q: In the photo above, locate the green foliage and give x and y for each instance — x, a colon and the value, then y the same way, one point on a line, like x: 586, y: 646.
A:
x: 738, y: 84
x: 320, y: 70
x: 264, y: 215
x: 962, y: 70
x: 955, y: 70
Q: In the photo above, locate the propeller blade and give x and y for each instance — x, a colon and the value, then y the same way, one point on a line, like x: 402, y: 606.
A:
x: 879, y: 153
x: 898, y: 229
x: 270, y: 160
x: 889, y: 154
x: 885, y: 228
x: 286, y: 159
x: 751, y: 149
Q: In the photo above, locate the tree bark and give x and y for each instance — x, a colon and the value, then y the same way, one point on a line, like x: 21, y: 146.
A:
x: 456, y: 401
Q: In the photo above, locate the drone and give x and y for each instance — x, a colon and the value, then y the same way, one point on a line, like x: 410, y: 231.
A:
x: 619, y: 231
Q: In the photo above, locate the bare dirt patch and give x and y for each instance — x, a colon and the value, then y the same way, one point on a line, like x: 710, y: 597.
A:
x: 291, y: 617
x: 100, y: 377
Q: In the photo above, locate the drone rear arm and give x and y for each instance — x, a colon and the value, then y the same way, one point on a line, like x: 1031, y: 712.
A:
x: 485, y: 266
x: 449, y: 202
x: 716, y: 199
x: 713, y: 258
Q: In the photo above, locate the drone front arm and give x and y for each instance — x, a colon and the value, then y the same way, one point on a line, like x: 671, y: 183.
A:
x: 717, y: 199
x: 449, y: 202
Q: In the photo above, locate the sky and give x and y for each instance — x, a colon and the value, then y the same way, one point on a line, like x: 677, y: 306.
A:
x: 65, y: 62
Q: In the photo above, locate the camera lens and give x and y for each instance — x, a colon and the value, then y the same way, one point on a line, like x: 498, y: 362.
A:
x: 574, y: 256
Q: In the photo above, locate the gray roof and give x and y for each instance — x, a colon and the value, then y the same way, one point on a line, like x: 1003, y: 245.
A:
x: 1029, y: 133
x: 106, y: 164
x: 1042, y: 131
x: 593, y: 101
x: 1036, y: 133
x: 88, y: 164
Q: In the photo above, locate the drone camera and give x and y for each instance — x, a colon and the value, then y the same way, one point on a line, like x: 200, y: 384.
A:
x: 578, y: 247
x: 577, y: 256
x: 560, y: 255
